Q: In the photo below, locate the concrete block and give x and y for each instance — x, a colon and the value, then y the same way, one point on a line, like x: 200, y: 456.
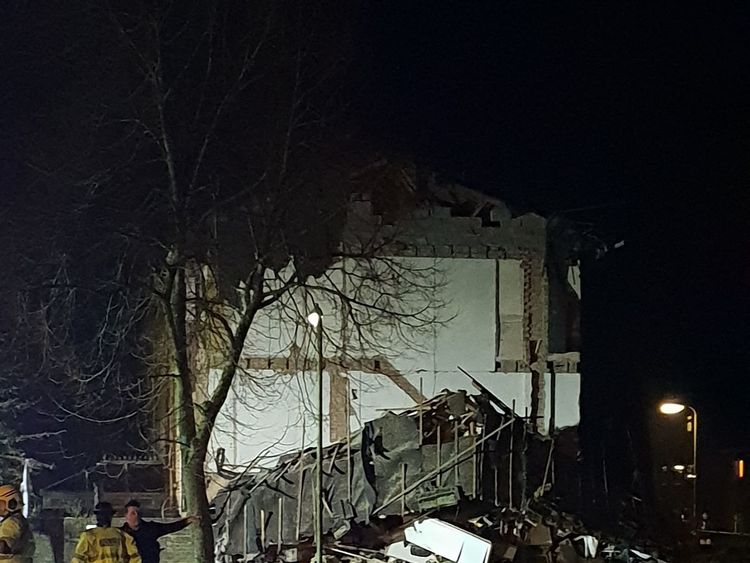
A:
x: 461, y: 251
x: 443, y: 251
x: 426, y: 250
x: 496, y: 252
x: 478, y: 251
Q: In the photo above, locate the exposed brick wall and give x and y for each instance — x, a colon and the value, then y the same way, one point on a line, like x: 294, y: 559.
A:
x: 338, y: 403
x: 535, y: 294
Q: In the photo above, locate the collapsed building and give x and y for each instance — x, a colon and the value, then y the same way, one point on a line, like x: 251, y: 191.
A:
x: 509, y: 293
x: 501, y: 293
x: 464, y: 460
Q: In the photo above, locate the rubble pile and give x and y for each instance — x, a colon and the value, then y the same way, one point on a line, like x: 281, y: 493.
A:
x: 458, y: 478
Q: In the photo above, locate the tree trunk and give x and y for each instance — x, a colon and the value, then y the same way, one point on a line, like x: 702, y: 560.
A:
x: 194, y: 490
x: 195, y: 431
x: 193, y: 449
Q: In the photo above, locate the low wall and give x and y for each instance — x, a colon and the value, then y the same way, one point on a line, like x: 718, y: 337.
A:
x: 176, y: 548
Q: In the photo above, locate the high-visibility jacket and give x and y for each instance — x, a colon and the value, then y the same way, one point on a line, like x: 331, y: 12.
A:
x: 15, y: 532
x: 105, y: 545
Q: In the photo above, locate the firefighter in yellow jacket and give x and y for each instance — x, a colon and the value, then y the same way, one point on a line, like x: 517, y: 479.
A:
x: 16, y: 539
x: 105, y: 544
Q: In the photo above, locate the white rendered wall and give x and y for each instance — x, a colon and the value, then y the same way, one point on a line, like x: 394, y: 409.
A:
x: 267, y: 413
x: 265, y: 424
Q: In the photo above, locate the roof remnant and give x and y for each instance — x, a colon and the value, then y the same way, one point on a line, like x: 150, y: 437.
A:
x: 466, y: 461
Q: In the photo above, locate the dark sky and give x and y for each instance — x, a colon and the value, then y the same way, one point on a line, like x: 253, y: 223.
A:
x: 640, y: 112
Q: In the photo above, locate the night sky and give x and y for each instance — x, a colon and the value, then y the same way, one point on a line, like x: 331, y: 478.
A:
x: 634, y: 119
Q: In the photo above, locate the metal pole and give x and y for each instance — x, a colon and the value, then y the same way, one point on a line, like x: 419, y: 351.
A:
x: 524, y: 444
x: 263, y: 528
x: 497, y: 502
x: 553, y: 397
x: 280, y: 525
x: 456, y: 475
x: 348, y: 441
x: 510, y: 457
x: 474, y: 467
x: 479, y: 454
x: 301, y: 478
x: 314, y: 495
x: 319, y: 450
x: 300, y: 492
x: 439, y: 456
x: 245, y: 543
x: 403, y: 489
x: 695, y: 464
x: 421, y: 418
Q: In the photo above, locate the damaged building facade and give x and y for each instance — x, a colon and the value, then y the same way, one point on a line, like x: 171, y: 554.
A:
x: 507, y: 314
x: 458, y: 414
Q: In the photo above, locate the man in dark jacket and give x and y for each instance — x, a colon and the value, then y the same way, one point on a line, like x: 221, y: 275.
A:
x: 146, y: 533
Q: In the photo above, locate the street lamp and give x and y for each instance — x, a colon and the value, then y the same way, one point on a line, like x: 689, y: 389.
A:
x: 316, y: 321
x: 671, y: 407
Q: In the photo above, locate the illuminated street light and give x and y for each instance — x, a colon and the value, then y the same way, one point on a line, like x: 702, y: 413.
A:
x: 316, y: 320
x: 671, y: 407
x: 679, y: 468
x: 313, y: 318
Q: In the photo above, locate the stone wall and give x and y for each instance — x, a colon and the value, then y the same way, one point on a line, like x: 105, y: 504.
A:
x: 72, y: 528
x: 44, y: 552
x: 178, y: 547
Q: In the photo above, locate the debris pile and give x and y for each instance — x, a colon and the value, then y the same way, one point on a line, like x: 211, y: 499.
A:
x: 458, y: 478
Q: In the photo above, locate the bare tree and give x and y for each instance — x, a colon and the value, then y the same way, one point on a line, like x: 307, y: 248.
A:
x: 202, y: 177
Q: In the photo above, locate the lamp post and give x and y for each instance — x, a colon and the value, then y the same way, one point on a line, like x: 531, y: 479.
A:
x: 672, y: 407
x: 316, y: 321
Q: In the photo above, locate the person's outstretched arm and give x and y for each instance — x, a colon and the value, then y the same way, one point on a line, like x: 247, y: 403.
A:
x: 164, y: 528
